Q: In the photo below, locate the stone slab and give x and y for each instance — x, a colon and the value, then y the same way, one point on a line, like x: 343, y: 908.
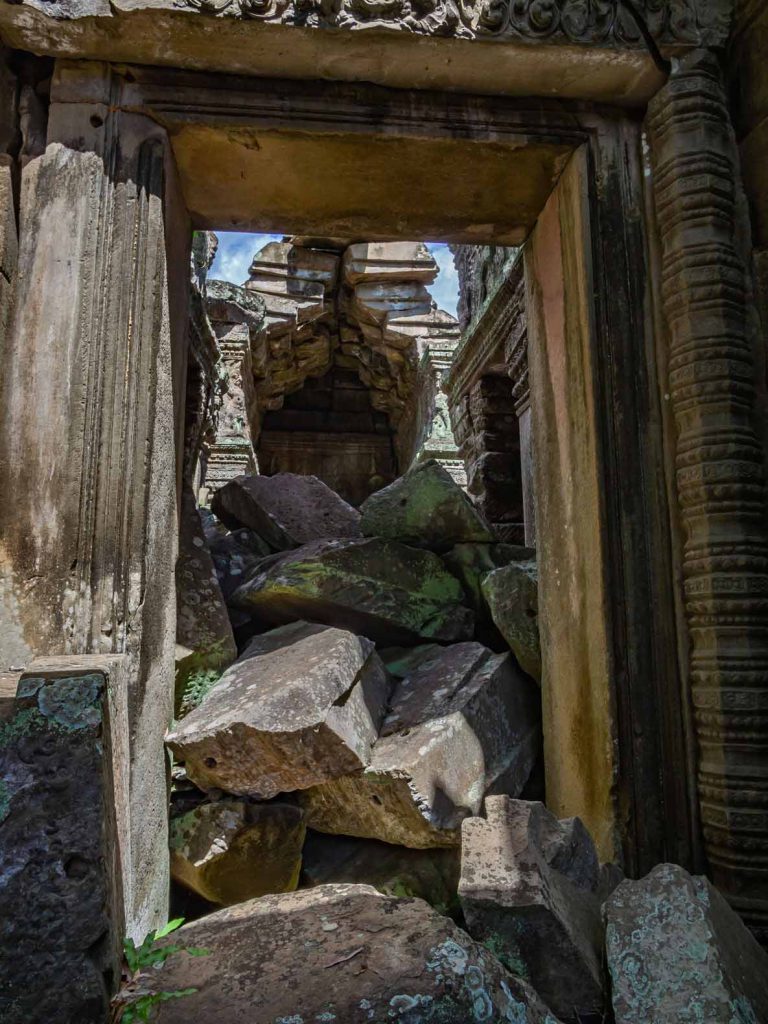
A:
x: 463, y: 721
x: 512, y: 596
x: 529, y: 889
x: 301, y: 705
x: 677, y: 952
x: 342, y: 954
x: 386, y: 591
x: 424, y: 508
x: 231, y: 851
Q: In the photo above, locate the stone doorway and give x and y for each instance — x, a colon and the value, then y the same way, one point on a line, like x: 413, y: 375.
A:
x: 137, y: 157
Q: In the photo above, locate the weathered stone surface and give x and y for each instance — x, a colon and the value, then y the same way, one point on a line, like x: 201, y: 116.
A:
x: 303, y: 506
x: 424, y: 508
x: 301, y: 705
x: 235, y: 555
x: 462, y: 721
x: 230, y: 851
x: 513, y: 600
x: 339, y: 953
x: 431, y: 875
x: 471, y: 563
x: 204, y: 639
x: 236, y: 504
x: 384, y: 590
x: 55, y: 843
x: 529, y: 889
x: 677, y: 952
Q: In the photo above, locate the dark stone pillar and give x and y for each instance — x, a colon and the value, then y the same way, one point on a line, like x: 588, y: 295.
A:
x: 720, y: 471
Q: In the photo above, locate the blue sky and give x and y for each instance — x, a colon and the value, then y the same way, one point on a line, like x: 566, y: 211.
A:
x: 237, y: 248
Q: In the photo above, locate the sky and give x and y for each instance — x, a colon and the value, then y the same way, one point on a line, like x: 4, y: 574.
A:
x: 237, y: 249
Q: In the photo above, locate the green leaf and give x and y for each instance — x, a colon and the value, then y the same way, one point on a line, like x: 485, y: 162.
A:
x: 196, y: 950
x: 168, y: 928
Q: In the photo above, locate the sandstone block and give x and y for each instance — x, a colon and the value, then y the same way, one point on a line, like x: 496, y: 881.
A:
x: 383, y: 590
x: 462, y: 721
x: 529, y: 888
x: 677, y: 952
x: 203, y: 632
x: 237, y: 505
x: 286, y: 509
x: 471, y: 563
x: 344, y: 954
x: 425, y: 508
x: 230, y: 851
x: 430, y: 875
x: 512, y: 596
x: 389, y: 261
x: 302, y: 704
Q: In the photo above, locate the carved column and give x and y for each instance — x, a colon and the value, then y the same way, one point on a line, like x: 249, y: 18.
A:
x: 92, y: 394
x: 231, y: 453
x: 720, y: 471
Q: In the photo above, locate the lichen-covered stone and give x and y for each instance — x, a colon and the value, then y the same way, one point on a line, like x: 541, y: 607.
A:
x: 301, y: 705
x: 513, y: 600
x: 471, y: 563
x: 286, y: 509
x: 55, y: 843
x: 425, y: 508
x: 230, y: 851
x: 378, y: 588
x: 531, y: 887
x: 678, y: 953
x: 462, y: 721
x: 339, y: 954
x: 204, y: 638
x: 431, y: 875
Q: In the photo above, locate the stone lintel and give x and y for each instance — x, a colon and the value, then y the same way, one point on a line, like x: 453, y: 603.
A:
x: 593, y: 51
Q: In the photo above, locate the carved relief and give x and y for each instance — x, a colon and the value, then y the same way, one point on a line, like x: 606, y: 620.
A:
x: 593, y: 22
x: 720, y: 475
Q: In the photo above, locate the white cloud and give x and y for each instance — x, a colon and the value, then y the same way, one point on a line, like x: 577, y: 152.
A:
x: 445, y: 290
x: 235, y: 253
x: 237, y: 249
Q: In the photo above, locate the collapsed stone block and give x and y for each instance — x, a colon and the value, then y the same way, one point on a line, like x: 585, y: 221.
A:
x: 286, y: 510
x: 378, y: 588
x: 471, y: 563
x: 302, y: 705
x: 512, y: 594
x: 230, y: 851
x: 678, y: 952
x: 530, y: 888
x: 431, y: 875
x: 204, y: 638
x: 425, y: 508
x: 462, y: 721
x: 341, y: 953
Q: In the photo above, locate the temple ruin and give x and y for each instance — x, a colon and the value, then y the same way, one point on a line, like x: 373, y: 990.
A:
x: 361, y: 662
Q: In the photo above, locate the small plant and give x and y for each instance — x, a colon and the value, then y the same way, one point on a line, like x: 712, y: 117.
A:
x: 135, y: 1001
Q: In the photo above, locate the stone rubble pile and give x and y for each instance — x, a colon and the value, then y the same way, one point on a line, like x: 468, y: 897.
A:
x: 351, y: 792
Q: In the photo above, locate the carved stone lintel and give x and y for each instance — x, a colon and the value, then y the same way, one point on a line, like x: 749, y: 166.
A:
x: 720, y: 475
x: 593, y: 22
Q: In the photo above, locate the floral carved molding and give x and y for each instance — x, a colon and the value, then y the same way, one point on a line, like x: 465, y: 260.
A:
x: 592, y: 22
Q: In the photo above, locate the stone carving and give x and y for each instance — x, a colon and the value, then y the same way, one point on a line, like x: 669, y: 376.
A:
x: 593, y: 22
x: 720, y: 475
